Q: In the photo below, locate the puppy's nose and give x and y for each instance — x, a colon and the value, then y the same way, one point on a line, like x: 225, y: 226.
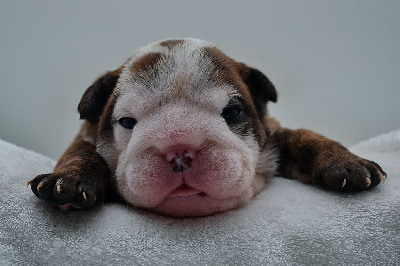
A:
x: 180, y: 160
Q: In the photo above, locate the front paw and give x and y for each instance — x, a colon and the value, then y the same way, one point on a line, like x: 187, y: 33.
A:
x: 347, y: 172
x: 65, y: 191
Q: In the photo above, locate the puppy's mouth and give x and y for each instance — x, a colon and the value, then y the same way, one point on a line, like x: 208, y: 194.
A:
x: 186, y: 191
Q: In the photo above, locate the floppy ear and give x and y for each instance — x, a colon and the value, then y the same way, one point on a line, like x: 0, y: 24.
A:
x: 96, y: 96
x: 261, y: 88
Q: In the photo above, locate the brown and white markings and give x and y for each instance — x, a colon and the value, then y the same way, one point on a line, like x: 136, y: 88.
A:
x: 182, y: 129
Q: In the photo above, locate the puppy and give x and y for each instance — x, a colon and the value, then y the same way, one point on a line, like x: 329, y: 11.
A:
x: 181, y: 129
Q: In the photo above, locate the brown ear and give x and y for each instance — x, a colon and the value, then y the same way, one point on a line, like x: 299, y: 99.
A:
x: 96, y: 96
x: 261, y: 88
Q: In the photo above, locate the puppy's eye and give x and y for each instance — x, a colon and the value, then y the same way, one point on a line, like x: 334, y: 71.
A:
x: 127, y: 122
x: 231, y: 112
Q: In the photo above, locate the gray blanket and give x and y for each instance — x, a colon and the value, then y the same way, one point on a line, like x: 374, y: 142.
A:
x: 288, y: 223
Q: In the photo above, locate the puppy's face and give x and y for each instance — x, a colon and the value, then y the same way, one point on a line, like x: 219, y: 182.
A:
x: 182, y: 130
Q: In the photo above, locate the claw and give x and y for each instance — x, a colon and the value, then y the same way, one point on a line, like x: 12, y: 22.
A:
x: 344, y: 182
x: 368, y: 182
x: 84, y: 195
x: 39, y: 187
x: 382, y: 177
x: 59, y: 188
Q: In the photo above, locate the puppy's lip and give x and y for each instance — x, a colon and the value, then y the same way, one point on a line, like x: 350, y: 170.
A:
x: 184, y: 191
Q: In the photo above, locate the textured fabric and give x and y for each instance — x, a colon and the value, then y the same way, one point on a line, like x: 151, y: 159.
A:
x: 288, y: 223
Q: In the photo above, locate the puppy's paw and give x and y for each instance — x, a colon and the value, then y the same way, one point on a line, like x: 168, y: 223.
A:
x: 66, y: 191
x: 348, y: 172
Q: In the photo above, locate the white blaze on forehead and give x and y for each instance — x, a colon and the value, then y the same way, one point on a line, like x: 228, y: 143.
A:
x: 182, y: 71
x: 184, y: 57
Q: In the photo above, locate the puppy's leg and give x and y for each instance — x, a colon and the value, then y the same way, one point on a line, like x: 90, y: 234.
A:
x: 80, y: 178
x: 310, y: 157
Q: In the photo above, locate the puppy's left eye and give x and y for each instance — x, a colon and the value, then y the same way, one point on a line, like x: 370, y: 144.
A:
x: 231, y: 112
x: 127, y: 122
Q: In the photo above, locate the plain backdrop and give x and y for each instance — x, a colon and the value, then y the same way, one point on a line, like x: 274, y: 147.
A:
x: 336, y: 64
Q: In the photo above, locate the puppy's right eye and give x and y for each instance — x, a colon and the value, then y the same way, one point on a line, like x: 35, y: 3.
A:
x: 231, y: 112
x: 127, y: 122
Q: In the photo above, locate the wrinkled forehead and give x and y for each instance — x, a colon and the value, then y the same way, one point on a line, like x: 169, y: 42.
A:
x: 191, y: 69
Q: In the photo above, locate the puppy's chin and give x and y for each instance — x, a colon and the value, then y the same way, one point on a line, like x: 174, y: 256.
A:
x: 201, y: 204
x: 194, y: 206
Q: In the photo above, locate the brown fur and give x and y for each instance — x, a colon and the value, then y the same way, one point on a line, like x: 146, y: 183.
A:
x: 82, y: 170
x: 237, y: 74
x: 310, y: 157
x: 98, y: 93
x: 145, y: 62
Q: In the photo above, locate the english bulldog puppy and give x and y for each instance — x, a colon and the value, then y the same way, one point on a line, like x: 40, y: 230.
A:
x: 182, y: 129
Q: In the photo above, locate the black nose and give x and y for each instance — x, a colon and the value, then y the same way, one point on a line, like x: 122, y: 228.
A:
x: 181, y: 162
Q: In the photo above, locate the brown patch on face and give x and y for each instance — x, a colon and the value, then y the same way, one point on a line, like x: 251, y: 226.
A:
x: 228, y: 71
x: 224, y: 67
x: 145, y: 62
x: 171, y: 43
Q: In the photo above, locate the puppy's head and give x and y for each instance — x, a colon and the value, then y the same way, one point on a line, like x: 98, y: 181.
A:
x: 182, y: 126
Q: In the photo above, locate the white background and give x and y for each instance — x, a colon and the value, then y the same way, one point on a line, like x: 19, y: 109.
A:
x: 336, y: 64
